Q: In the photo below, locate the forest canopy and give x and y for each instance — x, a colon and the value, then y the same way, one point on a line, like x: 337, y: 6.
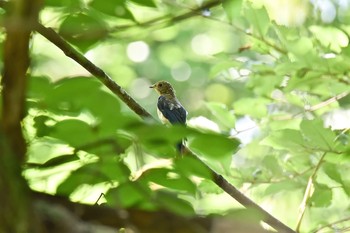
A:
x: 265, y: 84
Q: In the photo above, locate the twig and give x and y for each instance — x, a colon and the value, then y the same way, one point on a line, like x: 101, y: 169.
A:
x: 331, y: 224
x: 329, y: 101
x: 315, y: 107
x: 308, y: 192
x: 168, y: 19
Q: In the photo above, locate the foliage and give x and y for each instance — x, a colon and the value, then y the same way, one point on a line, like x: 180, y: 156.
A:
x: 277, y: 82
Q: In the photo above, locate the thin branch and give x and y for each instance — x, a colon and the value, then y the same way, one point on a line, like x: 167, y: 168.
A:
x: 329, y: 225
x: 308, y: 192
x: 170, y: 19
x: 328, y: 102
x: 314, y: 107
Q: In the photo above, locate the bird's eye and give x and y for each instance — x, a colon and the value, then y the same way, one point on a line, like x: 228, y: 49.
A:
x: 160, y: 85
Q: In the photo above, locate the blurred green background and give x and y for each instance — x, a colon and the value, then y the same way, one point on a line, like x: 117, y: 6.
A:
x: 271, y: 74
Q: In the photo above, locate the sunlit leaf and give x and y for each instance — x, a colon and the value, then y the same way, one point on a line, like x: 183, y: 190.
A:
x: 148, y: 3
x: 221, y: 112
x: 251, y: 106
x: 331, y: 37
x: 316, y: 135
x: 213, y: 145
x: 283, y: 186
x: 287, y: 139
x: 83, y: 30
x: 74, y: 132
x: 259, y: 19
x: 332, y: 172
x: 94, y: 173
x: 189, y: 166
x: 169, y: 179
x: 322, y: 196
x: 232, y: 8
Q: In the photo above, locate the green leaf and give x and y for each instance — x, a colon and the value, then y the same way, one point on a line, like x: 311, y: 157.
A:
x: 39, y: 87
x: 316, y: 135
x: 67, y: 4
x: 112, y: 169
x: 221, y: 113
x: 259, y: 19
x: 300, y: 46
x: 213, y: 145
x: 94, y: 173
x: 208, y: 186
x: 346, y: 187
x: 83, y: 30
x: 232, y: 8
x: 332, y: 171
x: 169, y: 179
x: 283, y: 186
x: 159, y: 139
x: 286, y: 139
x: 330, y: 37
x: 59, y: 160
x: 77, y: 178
x: 148, y: 3
x: 115, y: 8
x: 322, y: 196
x: 74, y: 132
x: 254, y: 107
x: 40, y: 125
x: 174, y: 204
x: 128, y: 194
x: 72, y: 96
x: 188, y: 166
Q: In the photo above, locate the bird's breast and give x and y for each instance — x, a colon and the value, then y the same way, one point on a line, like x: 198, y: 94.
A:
x: 162, y: 117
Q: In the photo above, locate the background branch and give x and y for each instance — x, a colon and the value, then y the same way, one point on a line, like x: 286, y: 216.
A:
x: 308, y: 192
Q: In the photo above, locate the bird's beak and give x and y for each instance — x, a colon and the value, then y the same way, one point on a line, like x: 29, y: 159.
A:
x: 153, y: 86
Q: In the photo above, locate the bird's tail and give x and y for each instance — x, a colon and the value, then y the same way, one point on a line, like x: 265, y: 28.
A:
x: 180, y: 146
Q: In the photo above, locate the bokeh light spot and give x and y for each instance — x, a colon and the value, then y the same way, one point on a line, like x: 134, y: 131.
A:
x: 203, y: 44
x: 218, y: 93
x: 140, y: 88
x: 181, y: 71
x: 137, y: 51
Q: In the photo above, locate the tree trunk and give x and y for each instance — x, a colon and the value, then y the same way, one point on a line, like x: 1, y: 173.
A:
x: 21, y: 17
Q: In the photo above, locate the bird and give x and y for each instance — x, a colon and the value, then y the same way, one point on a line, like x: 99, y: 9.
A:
x: 169, y: 108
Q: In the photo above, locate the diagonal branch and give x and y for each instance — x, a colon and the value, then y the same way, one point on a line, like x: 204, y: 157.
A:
x: 57, y: 40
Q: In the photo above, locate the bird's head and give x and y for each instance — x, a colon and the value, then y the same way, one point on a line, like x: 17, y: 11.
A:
x: 163, y: 88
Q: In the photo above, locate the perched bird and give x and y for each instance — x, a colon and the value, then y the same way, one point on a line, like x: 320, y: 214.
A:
x: 169, y: 108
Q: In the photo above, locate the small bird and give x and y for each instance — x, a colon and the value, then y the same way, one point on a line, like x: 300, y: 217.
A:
x: 169, y: 108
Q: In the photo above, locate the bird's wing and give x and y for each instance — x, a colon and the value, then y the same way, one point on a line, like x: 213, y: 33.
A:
x: 172, y: 110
